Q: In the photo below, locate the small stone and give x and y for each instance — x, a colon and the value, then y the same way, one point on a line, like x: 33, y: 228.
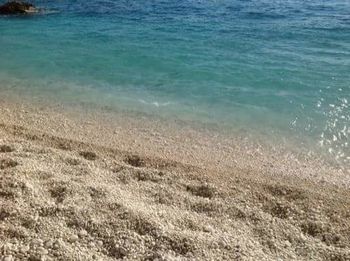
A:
x: 73, y: 238
x: 48, y: 243
x: 36, y: 217
x: 99, y: 243
x: 121, y: 250
x: 42, y: 251
x: 24, y: 249
x: 8, y: 258
x: 83, y: 233
x: 57, y: 244
x: 287, y: 243
x: 208, y: 229
x: 36, y: 257
x: 92, y: 244
x: 7, y: 247
x: 37, y: 242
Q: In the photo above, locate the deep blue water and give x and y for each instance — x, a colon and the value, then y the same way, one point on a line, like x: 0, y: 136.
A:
x: 276, y: 68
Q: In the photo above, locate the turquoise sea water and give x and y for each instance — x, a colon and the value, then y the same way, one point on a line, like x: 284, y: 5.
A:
x: 279, y: 68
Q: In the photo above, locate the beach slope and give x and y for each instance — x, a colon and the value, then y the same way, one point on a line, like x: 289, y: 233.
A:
x: 66, y: 196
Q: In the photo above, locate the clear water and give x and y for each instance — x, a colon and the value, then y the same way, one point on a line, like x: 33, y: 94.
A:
x: 279, y: 67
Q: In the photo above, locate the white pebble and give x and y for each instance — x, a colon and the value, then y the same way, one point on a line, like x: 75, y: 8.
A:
x: 48, y: 243
x: 74, y: 238
x: 37, y: 242
x: 287, y: 243
x: 83, y: 233
x: 42, y: 251
x: 7, y: 247
x: 24, y: 249
x: 8, y: 258
x: 58, y: 243
x: 209, y: 229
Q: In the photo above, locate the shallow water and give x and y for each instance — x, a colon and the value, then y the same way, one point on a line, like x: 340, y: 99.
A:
x: 278, y: 69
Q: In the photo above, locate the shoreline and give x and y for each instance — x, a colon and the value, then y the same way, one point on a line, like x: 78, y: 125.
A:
x: 276, y: 141
x: 95, y: 185
x: 207, y: 146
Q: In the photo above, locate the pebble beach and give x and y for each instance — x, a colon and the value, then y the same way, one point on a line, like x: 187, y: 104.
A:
x: 93, y: 188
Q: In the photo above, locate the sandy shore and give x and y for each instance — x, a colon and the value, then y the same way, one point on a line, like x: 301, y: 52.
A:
x: 77, y: 185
